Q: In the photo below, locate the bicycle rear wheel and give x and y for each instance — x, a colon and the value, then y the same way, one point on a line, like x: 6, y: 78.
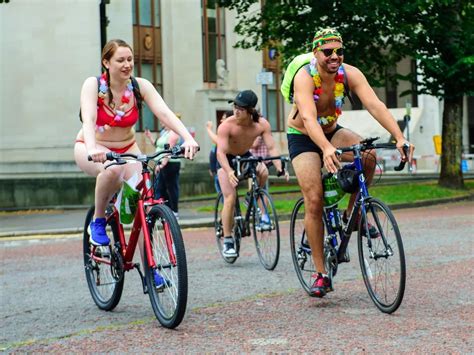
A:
x: 266, y: 231
x: 220, y: 230
x: 104, y: 279
x: 167, y: 247
x: 382, y: 258
x: 300, y: 249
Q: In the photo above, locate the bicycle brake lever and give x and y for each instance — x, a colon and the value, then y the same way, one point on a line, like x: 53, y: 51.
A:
x: 401, y: 166
x: 177, y: 150
x: 118, y: 162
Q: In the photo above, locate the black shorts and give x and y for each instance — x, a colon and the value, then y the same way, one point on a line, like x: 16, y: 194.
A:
x: 230, y: 157
x: 301, y: 143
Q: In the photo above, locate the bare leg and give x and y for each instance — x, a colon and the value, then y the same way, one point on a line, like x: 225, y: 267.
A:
x: 108, y: 180
x: 262, y: 174
x: 307, y: 168
x: 230, y: 195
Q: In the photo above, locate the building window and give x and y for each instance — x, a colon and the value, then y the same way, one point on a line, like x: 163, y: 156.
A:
x: 213, y: 38
x: 273, y: 107
x: 147, y: 49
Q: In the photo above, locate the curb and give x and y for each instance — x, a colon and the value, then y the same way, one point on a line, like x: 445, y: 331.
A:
x: 209, y: 222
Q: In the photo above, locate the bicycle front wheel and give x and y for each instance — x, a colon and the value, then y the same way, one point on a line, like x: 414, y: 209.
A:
x: 300, y: 249
x: 167, y: 283
x: 381, y: 256
x: 104, y: 274
x: 266, y: 231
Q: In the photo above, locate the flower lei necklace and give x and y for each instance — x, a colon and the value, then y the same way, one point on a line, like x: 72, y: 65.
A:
x: 338, y: 91
x: 120, y: 111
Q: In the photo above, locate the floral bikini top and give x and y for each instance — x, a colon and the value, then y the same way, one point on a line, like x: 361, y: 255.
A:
x: 109, y: 116
x: 106, y: 116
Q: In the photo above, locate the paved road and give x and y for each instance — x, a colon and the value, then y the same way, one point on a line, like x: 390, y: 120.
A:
x: 46, y: 306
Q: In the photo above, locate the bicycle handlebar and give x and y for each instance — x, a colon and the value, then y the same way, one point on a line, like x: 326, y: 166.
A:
x: 368, y: 143
x: 253, y: 159
x: 174, y: 152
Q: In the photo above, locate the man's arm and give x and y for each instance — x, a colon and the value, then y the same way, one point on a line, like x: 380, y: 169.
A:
x: 360, y: 86
x: 303, y: 94
x: 272, y: 148
x: 223, y: 149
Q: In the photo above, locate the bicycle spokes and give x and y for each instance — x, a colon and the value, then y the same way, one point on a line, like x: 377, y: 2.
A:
x: 167, y: 280
x: 382, y: 259
x: 103, y: 267
x: 169, y: 243
x: 265, y: 230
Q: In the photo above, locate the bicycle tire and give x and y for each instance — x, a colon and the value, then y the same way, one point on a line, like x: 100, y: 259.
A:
x: 105, y: 281
x: 266, y: 236
x: 300, y: 250
x: 168, y: 303
x: 382, y: 281
x: 219, y: 230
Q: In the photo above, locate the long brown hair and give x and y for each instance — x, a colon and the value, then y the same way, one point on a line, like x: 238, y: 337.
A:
x: 254, y: 113
x: 108, y: 52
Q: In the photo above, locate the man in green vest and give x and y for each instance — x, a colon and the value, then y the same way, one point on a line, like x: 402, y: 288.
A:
x: 317, y: 91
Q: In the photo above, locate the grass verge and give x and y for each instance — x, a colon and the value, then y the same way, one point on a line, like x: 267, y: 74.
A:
x: 390, y: 194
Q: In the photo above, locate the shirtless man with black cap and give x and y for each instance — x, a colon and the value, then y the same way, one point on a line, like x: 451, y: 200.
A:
x: 236, y: 136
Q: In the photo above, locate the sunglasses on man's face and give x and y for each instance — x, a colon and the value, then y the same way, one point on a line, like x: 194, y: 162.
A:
x: 330, y: 51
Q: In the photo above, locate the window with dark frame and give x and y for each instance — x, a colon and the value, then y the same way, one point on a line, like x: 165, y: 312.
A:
x: 146, y: 17
x: 274, y: 105
x: 213, y: 38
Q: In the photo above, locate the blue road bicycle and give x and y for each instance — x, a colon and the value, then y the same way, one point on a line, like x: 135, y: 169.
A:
x: 379, y: 242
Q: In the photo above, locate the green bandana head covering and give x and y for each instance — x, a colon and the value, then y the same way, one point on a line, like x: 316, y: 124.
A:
x: 326, y: 35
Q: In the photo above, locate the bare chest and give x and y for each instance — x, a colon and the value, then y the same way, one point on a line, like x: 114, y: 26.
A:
x: 326, y: 103
x: 241, y: 138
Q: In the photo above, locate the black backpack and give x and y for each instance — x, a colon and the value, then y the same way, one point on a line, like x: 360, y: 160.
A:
x: 136, y: 92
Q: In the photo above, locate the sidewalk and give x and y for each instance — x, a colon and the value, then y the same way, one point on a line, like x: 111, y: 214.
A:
x: 71, y: 220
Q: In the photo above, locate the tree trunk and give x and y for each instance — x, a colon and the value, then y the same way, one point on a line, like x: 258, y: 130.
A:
x: 451, y: 150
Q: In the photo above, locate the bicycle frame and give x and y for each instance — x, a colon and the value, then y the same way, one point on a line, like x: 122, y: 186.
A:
x: 253, y: 175
x: 140, y: 223
x: 359, y: 205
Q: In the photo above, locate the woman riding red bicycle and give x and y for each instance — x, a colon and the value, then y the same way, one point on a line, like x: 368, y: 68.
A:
x: 110, y: 107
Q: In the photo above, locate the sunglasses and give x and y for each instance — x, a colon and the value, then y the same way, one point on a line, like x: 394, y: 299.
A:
x: 330, y: 51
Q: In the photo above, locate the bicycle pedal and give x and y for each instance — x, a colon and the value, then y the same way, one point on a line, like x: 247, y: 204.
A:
x: 103, y: 252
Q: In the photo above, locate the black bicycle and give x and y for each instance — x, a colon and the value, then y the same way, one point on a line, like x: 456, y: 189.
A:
x: 260, y: 210
x: 379, y: 242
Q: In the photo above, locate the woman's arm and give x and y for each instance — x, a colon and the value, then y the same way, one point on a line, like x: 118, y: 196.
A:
x: 89, y: 118
x: 211, y: 134
x: 173, y: 139
x: 150, y: 137
x: 161, y: 110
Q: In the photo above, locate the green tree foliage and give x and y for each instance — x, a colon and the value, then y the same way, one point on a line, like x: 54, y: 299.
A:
x: 377, y: 34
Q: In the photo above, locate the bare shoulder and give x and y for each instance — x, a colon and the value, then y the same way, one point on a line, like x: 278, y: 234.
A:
x: 264, y: 124
x: 90, y: 82
x: 225, y: 126
x: 352, y: 72
x: 142, y: 82
x: 302, y: 76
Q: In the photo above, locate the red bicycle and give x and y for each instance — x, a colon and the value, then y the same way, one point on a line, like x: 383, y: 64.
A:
x: 165, y: 277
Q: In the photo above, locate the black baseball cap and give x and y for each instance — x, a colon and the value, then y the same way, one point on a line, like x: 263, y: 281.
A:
x: 246, y: 98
